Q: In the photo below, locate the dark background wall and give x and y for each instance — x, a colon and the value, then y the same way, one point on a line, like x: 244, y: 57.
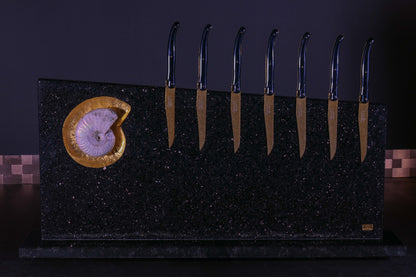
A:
x: 125, y: 42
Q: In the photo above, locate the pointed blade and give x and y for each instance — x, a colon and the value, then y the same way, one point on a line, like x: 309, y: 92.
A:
x: 363, y: 128
x: 301, y: 122
x: 235, y: 118
x: 201, y: 108
x: 332, y: 126
x: 170, y: 113
x: 269, y: 121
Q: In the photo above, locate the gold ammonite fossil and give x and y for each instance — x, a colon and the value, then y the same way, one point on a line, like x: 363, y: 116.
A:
x: 92, y: 131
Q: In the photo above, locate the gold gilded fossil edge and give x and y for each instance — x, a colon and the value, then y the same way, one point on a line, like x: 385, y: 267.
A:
x: 121, y: 108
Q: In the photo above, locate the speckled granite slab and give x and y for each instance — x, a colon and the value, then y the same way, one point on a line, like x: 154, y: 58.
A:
x: 157, y: 193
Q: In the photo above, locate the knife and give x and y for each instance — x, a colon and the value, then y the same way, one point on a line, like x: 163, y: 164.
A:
x: 363, y: 105
x: 301, y: 95
x: 170, y: 84
x: 269, y: 93
x: 333, y: 98
x: 201, y: 94
x: 235, y: 90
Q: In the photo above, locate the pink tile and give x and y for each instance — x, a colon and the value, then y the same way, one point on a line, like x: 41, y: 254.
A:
x: 35, y: 159
x: 28, y: 169
x: 17, y: 169
x: 12, y: 159
x: 36, y: 179
x: 401, y: 154
x: 27, y: 159
x: 27, y: 178
x: 409, y: 163
x: 397, y: 163
x: 1, y: 179
x: 12, y: 179
x: 388, y: 163
x: 401, y: 172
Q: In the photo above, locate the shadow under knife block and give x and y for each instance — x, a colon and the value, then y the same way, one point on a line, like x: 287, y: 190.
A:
x: 183, y: 202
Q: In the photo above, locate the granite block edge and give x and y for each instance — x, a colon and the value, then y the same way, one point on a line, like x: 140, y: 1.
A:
x: 389, y: 246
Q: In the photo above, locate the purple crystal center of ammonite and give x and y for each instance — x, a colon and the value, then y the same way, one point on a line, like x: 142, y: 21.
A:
x: 93, y: 133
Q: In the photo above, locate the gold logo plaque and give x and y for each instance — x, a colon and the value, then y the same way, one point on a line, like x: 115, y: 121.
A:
x: 99, y: 112
x: 367, y: 227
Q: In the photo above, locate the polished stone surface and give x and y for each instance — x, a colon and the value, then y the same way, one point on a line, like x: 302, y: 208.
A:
x: 389, y: 246
x: 20, y: 215
x: 181, y: 193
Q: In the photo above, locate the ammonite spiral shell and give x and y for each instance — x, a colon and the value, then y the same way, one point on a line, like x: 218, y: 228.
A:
x: 93, y: 134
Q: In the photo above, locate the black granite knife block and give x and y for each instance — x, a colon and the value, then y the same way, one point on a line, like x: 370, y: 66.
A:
x: 183, y: 196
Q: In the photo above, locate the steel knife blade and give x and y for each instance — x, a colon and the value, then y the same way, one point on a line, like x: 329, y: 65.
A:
x: 301, y: 123
x: 333, y: 98
x: 170, y: 113
x: 170, y: 85
x: 235, y: 90
x: 201, y: 108
x: 363, y: 105
x: 363, y: 128
x: 301, y: 95
x: 269, y: 92
x: 201, y: 94
x: 332, y: 126
x: 269, y: 121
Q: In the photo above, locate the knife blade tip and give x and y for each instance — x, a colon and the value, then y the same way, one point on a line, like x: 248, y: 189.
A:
x: 201, y: 145
x: 363, y: 155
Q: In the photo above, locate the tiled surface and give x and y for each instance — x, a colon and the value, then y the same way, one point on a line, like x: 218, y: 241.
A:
x: 24, y: 169
x: 400, y: 163
x: 401, y: 154
x: 19, y: 169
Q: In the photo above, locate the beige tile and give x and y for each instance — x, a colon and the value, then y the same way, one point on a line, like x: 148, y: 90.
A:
x: 27, y: 159
x: 17, y: 169
x: 27, y: 178
x: 401, y: 172
x: 401, y: 154
x: 388, y: 163
x: 409, y: 163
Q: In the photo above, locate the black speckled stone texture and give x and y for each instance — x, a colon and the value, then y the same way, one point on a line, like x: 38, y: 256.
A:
x: 182, y: 193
